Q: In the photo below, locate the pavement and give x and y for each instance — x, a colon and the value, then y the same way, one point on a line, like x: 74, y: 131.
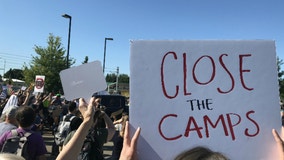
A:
x: 48, y: 139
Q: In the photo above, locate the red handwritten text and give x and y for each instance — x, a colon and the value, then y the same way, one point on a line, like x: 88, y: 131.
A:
x: 208, y: 125
x: 173, y: 56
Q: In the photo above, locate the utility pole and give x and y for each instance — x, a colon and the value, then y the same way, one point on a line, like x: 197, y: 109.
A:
x: 117, y: 73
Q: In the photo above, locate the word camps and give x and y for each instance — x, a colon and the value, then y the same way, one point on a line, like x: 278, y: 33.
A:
x: 225, y: 120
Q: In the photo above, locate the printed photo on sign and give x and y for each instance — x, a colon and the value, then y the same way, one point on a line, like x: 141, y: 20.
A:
x: 220, y: 94
x: 39, y: 83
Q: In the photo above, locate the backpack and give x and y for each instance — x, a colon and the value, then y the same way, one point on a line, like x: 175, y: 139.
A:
x: 91, y: 149
x: 63, y: 130
x: 17, y: 144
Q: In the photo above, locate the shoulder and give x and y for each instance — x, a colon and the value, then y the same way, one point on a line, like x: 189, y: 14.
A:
x: 33, y: 137
x: 6, y: 135
x: 6, y: 127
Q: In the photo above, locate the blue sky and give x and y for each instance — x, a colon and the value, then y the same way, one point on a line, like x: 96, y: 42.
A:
x: 25, y: 24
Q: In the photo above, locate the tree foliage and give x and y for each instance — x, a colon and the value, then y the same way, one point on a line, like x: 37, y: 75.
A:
x: 14, y: 74
x: 49, y: 61
x: 280, y: 77
x: 122, y: 78
x: 86, y: 60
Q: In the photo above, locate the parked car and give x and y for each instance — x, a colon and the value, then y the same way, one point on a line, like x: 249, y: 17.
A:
x: 114, y: 105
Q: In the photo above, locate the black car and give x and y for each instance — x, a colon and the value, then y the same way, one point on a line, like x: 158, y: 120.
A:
x: 114, y: 105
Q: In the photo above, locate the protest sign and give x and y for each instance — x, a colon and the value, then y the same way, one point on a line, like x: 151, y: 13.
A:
x: 220, y: 94
x: 83, y: 81
x: 39, y: 83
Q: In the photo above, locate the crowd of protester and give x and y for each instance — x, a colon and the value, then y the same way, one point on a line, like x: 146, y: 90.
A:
x: 48, y: 111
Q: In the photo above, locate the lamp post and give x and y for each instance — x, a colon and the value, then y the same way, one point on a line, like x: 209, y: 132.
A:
x: 116, y: 87
x: 105, y: 53
x: 69, y: 33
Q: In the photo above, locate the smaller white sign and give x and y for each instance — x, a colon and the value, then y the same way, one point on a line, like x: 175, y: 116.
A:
x: 39, y: 83
x: 83, y: 81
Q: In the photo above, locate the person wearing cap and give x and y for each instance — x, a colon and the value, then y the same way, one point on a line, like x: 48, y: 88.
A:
x: 10, y: 120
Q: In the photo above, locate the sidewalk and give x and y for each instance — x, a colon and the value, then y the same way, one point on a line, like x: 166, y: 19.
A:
x: 48, y: 139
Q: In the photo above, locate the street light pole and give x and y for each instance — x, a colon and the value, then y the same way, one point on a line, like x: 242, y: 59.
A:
x: 105, y: 53
x: 116, y: 87
x: 69, y: 33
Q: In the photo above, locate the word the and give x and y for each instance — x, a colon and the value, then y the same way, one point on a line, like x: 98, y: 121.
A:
x: 200, y: 104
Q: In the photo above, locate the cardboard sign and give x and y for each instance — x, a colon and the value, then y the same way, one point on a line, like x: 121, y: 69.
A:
x: 83, y: 81
x: 217, y: 94
x: 39, y: 83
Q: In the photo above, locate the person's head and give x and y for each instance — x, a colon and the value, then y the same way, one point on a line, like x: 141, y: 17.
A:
x: 25, y: 116
x: 76, y: 122
x: 58, y: 96
x: 21, y: 99
x: 200, y: 153
x: 72, y: 107
x: 98, y: 118
x: 11, y: 115
x: 31, y: 100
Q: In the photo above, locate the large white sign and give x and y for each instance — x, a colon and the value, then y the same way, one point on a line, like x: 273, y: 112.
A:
x: 220, y: 94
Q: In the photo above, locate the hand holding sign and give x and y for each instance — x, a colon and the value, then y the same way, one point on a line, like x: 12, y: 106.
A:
x: 280, y: 142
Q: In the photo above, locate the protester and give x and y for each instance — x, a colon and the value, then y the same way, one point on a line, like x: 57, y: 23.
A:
x: 3, y: 93
x: 47, y: 116
x: 17, y: 99
x: 25, y: 117
x: 74, y: 124
x: 118, y: 123
x: 57, y: 101
x: 73, y: 147
x: 101, y: 131
x: 129, y: 149
x: 56, y: 111
x: 3, y: 97
x: 118, y: 139
x: 10, y: 120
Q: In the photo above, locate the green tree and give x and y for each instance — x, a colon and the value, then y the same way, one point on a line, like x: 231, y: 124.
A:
x: 49, y: 62
x: 86, y: 60
x: 111, y: 77
x: 280, y: 77
x: 15, y: 74
x: 122, y: 78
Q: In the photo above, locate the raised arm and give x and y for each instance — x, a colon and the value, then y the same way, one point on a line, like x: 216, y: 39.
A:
x: 73, y: 147
x: 129, y: 150
x: 110, y: 127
